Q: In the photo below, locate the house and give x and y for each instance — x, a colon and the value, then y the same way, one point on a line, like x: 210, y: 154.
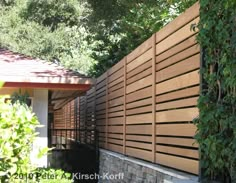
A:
x: 48, y: 85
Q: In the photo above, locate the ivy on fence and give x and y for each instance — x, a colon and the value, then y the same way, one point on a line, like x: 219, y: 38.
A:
x: 217, y: 103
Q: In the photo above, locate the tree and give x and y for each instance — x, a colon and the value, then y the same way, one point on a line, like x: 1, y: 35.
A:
x: 52, y: 33
x: 7, y: 2
x: 83, y: 35
x: 52, y: 13
x: 121, y: 26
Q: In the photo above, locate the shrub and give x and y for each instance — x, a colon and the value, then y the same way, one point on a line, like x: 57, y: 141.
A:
x: 17, y: 133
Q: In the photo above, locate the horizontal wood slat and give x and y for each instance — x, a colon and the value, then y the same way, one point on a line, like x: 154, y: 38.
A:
x: 115, y: 129
x: 116, y: 136
x: 143, y: 93
x: 185, y: 164
x: 116, y: 67
x: 116, y: 102
x: 144, y: 82
x: 101, y: 78
x: 101, y: 100
x: 116, y: 148
x: 116, y: 121
x: 186, y: 130
x: 139, y: 138
x: 140, y: 60
x: 140, y: 118
x: 116, y: 87
x: 177, y: 141
x: 182, y: 67
x: 177, y: 37
x: 115, y: 141
x: 139, y: 153
x: 141, y: 68
x: 116, y: 82
x: 142, y: 145
x: 187, y: 92
x: 114, y: 109
x: 139, y: 103
x: 116, y: 75
x: 117, y: 93
x: 177, y: 115
x: 192, y: 153
x: 178, y: 57
x: 144, y: 105
x: 100, y: 107
x: 116, y: 114
x: 139, y: 76
x: 177, y: 48
x: 138, y: 129
x: 180, y: 21
x: 140, y: 50
x: 182, y: 81
x: 139, y: 110
x: 177, y: 104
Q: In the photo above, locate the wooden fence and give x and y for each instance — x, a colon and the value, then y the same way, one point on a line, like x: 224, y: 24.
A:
x: 144, y: 105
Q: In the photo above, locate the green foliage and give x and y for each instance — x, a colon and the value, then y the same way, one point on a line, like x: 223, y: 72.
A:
x: 29, y: 27
x: 17, y: 133
x: 7, y: 2
x: 51, y: 13
x: 83, y: 35
x: 217, y: 103
x: 1, y: 84
x: 122, y: 25
x: 19, y: 97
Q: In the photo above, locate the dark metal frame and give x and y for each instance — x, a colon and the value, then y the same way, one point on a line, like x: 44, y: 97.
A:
x: 62, y: 138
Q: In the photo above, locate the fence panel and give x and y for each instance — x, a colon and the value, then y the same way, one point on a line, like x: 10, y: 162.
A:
x: 100, y: 108
x: 177, y: 90
x: 115, y: 107
x: 144, y: 105
x: 58, y: 122
x: 138, y: 104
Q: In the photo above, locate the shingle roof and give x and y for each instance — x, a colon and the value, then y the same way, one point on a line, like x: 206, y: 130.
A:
x: 15, y: 67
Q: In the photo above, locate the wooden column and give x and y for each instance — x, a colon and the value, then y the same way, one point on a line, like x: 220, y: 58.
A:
x: 106, y: 134
x: 96, y: 135
x: 85, y: 117
x: 124, y: 107
x: 154, y: 98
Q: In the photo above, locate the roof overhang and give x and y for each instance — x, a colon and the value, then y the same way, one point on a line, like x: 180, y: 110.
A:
x: 58, y: 86
x: 20, y: 71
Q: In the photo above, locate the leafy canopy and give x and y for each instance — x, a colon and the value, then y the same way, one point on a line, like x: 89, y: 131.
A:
x: 83, y: 35
x: 49, y: 30
x: 119, y: 26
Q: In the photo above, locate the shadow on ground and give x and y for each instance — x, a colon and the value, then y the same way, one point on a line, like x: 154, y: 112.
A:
x: 80, y: 159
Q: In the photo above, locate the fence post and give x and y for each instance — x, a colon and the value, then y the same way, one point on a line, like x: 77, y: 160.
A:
x: 154, y: 98
x: 94, y: 113
x: 106, y: 133
x: 124, y: 107
x: 76, y: 118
